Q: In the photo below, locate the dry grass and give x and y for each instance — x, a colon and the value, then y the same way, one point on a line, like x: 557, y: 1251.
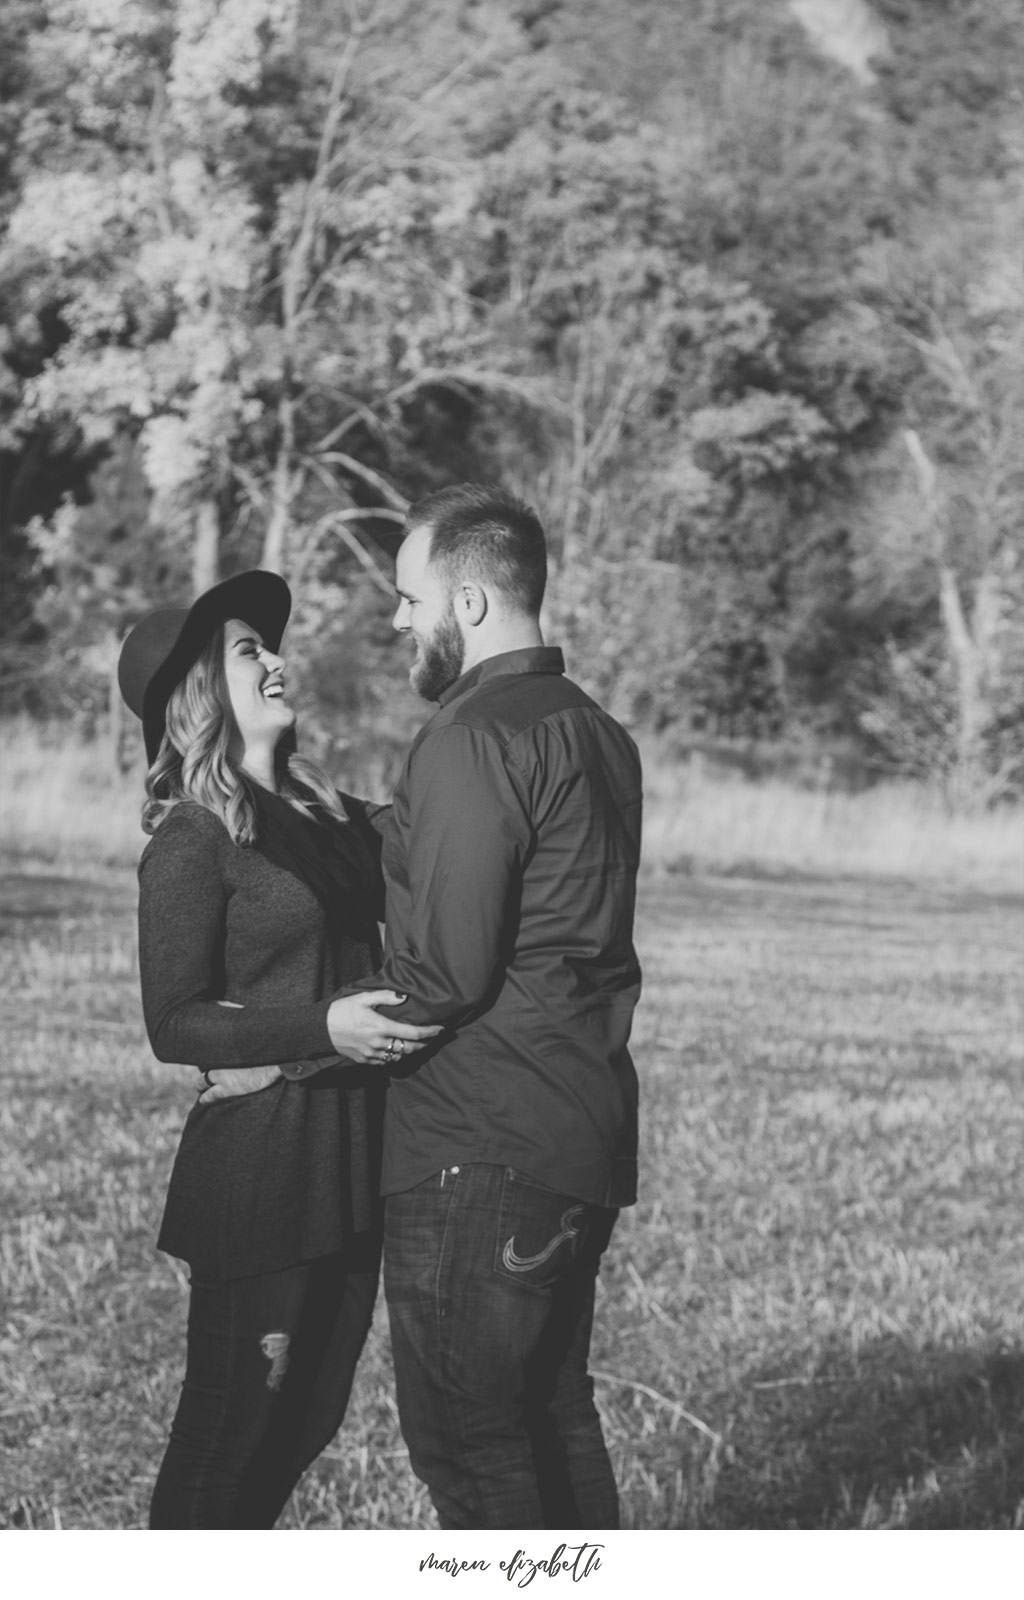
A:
x: 61, y: 802
x: 695, y: 822
x: 812, y: 1318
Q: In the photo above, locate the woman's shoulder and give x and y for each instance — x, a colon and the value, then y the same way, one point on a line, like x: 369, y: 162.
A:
x: 188, y: 831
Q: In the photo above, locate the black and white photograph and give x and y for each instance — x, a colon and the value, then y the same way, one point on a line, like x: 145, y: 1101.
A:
x: 512, y: 791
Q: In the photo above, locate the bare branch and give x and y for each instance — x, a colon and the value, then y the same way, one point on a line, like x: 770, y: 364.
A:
x: 158, y: 155
x: 297, y: 264
x: 337, y: 521
x: 340, y: 519
x: 927, y: 477
x: 251, y: 484
x: 424, y: 102
x: 529, y: 391
x: 368, y: 475
x: 608, y: 430
x: 360, y: 413
x: 370, y: 513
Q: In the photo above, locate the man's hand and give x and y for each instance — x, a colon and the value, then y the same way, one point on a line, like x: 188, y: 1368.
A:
x: 223, y: 1083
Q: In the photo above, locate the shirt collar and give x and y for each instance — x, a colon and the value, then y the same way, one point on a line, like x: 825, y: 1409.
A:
x: 536, y: 658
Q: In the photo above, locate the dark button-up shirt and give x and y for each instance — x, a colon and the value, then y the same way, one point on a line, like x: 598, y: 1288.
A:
x: 510, y: 862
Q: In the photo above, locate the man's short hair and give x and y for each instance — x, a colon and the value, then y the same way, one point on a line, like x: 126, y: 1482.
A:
x: 480, y: 531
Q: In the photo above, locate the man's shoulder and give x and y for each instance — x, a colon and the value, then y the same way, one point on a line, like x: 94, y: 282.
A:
x: 512, y: 704
x: 512, y: 714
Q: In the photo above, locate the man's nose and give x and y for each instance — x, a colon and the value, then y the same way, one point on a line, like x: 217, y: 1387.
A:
x: 400, y: 620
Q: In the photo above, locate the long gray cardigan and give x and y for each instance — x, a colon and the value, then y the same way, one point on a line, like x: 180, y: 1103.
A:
x: 267, y: 1180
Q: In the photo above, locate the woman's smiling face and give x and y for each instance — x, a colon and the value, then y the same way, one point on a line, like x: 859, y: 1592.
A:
x: 255, y: 680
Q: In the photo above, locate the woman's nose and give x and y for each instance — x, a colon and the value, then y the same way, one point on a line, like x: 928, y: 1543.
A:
x: 274, y: 663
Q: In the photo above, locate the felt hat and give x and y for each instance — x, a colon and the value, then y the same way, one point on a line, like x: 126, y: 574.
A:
x: 163, y: 645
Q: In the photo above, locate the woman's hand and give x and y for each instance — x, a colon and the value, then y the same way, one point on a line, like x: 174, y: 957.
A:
x: 362, y: 1034
x: 225, y: 1083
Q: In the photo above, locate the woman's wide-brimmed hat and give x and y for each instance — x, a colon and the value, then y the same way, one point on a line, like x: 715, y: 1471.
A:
x: 163, y: 646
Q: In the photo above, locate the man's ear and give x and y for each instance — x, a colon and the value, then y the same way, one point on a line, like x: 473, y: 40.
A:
x: 470, y: 603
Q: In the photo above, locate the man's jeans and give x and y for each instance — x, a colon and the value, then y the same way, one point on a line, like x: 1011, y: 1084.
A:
x: 489, y: 1278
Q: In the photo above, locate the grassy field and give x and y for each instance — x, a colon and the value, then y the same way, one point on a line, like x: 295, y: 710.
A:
x: 812, y: 1319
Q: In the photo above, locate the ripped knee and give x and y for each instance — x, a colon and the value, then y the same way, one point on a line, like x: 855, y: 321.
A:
x: 275, y: 1347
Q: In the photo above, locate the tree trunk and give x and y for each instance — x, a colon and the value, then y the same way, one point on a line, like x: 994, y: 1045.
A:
x: 969, y: 640
x: 967, y: 653
x: 115, y: 713
x: 276, y: 537
x: 206, y: 546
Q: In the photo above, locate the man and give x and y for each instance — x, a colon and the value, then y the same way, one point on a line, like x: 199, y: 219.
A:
x: 510, y: 863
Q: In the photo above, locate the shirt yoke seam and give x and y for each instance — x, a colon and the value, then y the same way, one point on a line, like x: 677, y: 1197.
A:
x: 505, y: 738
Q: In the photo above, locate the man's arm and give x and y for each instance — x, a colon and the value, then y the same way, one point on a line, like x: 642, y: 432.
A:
x: 469, y: 832
x: 451, y: 923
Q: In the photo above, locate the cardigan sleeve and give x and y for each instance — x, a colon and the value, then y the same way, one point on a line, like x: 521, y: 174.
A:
x: 182, y: 916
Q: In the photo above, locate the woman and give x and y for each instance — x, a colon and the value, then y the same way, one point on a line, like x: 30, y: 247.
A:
x: 260, y: 892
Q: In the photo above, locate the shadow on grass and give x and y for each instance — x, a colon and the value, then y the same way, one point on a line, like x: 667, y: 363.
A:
x: 889, y: 1437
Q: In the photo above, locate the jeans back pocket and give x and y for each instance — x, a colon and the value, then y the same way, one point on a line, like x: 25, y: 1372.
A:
x: 540, y: 1233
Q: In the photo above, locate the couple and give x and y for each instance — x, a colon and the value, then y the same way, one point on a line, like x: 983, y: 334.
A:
x: 497, y: 1017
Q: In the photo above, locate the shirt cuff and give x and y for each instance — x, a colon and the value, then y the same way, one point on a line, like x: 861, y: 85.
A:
x: 325, y: 1054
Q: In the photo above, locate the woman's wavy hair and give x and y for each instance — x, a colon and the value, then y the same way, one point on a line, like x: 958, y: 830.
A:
x: 193, y: 762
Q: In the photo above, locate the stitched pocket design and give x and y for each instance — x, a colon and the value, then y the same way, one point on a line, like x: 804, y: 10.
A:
x: 568, y: 1230
x: 539, y: 1233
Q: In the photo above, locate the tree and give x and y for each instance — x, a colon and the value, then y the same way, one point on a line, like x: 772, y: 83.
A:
x: 154, y: 265
x: 276, y: 269
x: 252, y: 274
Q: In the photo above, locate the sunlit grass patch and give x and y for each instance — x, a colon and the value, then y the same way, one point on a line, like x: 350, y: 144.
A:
x: 700, y: 822
x: 63, y: 800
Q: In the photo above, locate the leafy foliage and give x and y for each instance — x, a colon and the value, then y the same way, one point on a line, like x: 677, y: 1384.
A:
x: 298, y: 263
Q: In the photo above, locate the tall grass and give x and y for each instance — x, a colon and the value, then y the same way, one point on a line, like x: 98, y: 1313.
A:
x: 61, y: 801
x: 697, y: 822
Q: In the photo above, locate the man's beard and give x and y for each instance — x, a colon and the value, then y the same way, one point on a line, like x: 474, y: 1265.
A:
x: 440, y: 663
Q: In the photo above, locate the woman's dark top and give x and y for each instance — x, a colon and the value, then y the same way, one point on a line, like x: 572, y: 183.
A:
x: 267, y: 1180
